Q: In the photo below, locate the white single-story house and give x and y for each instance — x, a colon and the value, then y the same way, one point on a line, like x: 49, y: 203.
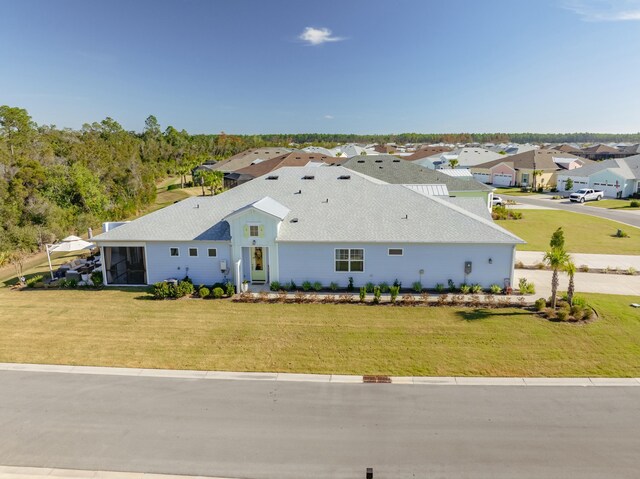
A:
x: 313, y: 224
x: 618, y: 177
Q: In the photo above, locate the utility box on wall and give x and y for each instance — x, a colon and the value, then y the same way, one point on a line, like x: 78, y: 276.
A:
x: 467, y: 267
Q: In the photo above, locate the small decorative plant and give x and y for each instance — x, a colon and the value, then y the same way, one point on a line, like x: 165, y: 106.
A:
x: 218, y: 293
x: 476, y: 289
x: 417, y: 287
x: 439, y: 287
x: 384, y: 287
x: 393, y: 291
x: 363, y: 294
x: 317, y: 286
x: 495, y: 289
x: 465, y: 288
x: 452, y: 286
x: 350, y: 284
x: 204, y: 292
x: 376, y: 294
x: 333, y: 286
x: 369, y: 287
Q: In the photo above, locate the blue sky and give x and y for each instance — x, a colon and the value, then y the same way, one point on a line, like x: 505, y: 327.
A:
x: 346, y: 66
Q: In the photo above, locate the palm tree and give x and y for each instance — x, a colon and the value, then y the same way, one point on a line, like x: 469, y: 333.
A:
x: 453, y: 164
x: 556, y: 258
x: 570, y: 268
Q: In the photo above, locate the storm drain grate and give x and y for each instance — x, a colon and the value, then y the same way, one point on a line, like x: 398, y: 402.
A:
x: 376, y: 379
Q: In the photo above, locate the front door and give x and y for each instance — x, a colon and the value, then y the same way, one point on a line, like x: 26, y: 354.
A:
x: 258, y: 264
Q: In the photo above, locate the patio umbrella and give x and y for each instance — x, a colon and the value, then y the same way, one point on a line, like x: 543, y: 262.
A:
x: 70, y: 243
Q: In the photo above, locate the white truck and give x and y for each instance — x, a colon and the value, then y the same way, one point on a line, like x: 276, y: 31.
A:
x: 586, y: 194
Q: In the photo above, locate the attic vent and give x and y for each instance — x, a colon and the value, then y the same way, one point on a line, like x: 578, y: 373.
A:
x: 308, y: 177
x: 272, y: 177
x: 396, y: 161
x: 344, y: 177
x: 378, y: 161
x: 360, y: 161
x: 294, y: 220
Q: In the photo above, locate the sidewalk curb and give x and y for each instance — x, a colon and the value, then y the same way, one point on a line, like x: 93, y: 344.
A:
x: 318, y: 378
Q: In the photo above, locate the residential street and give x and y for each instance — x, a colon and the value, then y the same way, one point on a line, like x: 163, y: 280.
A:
x: 262, y: 429
x: 629, y: 217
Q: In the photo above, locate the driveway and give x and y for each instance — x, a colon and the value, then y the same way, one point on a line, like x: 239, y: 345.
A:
x: 584, y: 282
x: 273, y: 430
x: 628, y: 217
x: 597, y: 261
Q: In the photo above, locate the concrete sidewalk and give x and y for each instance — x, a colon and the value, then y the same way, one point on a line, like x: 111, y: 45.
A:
x: 593, y: 261
x: 584, y: 282
x: 15, y: 472
x: 316, y: 378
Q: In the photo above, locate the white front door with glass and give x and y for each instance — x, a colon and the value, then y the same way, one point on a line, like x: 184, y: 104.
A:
x: 258, y: 264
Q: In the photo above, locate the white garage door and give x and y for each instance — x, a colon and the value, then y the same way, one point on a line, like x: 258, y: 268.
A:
x: 502, y: 180
x: 609, y: 189
x: 482, y: 177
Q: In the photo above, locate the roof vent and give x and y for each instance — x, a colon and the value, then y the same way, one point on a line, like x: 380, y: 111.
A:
x: 360, y: 161
x: 405, y: 217
x: 294, y: 220
x: 299, y: 192
x: 378, y: 161
x: 396, y: 161
x: 344, y: 177
x: 272, y: 177
x: 308, y: 177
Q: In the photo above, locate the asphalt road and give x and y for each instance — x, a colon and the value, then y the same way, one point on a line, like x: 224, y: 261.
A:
x: 259, y: 429
x: 629, y: 217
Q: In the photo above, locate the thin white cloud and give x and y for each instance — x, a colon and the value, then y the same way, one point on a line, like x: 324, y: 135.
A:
x: 605, y: 10
x: 328, y: 117
x: 318, y: 36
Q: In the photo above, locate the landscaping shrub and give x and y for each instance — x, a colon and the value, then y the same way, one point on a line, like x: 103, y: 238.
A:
x: 393, y: 291
x: 176, y: 186
x: 439, y: 287
x: 161, y: 290
x: 503, y: 213
x: 218, y: 293
x: 476, y: 289
x: 97, y: 279
x: 363, y: 294
x: 306, y: 286
x: 384, y: 287
x: 578, y: 312
x: 495, y: 289
x: 631, y: 271
x: 293, y: 286
x: 635, y: 204
x: 72, y: 283
x: 333, y: 286
x: 465, y: 288
x: 540, y: 304
x: 519, y: 264
x: 550, y: 313
x: 584, y: 268
x: 376, y: 294
x: 187, y: 279
x: 442, y: 299
x: 562, y: 314
x: 452, y: 286
x: 621, y: 234
x: 298, y: 297
x: 369, y: 287
x: 31, y: 282
x: 417, y: 287
x: 350, y: 284
x: 204, y: 292
x: 317, y: 286
x: 185, y: 288
x: 274, y: 286
x: 408, y: 299
x: 424, y: 296
x: 230, y: 289
x: 525, y: 287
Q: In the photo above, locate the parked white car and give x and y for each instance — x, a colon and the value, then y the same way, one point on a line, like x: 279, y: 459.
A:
x: 586, y: 194
x: 497, y: 201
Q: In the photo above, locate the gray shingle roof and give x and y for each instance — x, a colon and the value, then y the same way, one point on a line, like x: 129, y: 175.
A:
x: 328, y: 209
x: 627, y: 167
x: 391, y: 169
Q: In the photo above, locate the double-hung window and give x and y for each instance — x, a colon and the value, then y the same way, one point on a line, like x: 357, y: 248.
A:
x: 349, y: 260
x: 254, y: 230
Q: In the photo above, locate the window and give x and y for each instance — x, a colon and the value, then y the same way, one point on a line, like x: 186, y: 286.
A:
x: 396, y: 252
x: 193, y: 251
x: 254, y: 230
x: 525, y: 178
x: 212, y: 252
x: 175, y: 252
x: 350, y: 260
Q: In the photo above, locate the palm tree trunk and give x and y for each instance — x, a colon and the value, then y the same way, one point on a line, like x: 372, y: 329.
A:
x: 554, y: 288
x: 570, y: 290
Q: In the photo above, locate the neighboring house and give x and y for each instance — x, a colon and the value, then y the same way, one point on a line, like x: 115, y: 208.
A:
x: 427, y: 151
x: 518, y: 170
x: 313, y: 224
x: 296, y: 158
x: 631, y: 150
x: 619, y: 177
x: 244, y: 159
x: 599, y: 152
x: 393, y: 170
x: 567, y: 148
x: 466, y: 158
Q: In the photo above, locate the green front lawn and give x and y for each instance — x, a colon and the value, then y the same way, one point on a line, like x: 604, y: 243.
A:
x: 119, y: 328
x: 583, y: 233
x: 512, y: 191
x: 613, y: 204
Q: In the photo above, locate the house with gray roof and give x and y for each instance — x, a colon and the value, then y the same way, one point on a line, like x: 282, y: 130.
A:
x: 324, y: 224
x: 391, y: 169
x: 618, y: 177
